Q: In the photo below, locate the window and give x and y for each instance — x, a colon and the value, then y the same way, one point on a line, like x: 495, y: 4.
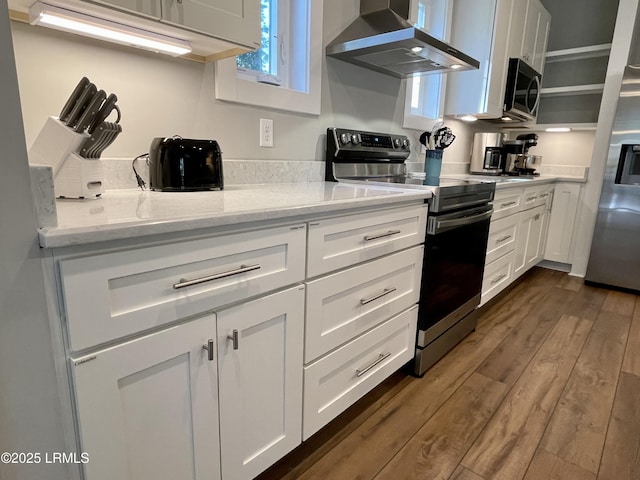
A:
x: 424, y: 100
x: 285, y: 73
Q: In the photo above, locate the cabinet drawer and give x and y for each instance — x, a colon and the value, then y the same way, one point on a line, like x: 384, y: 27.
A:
x: 497, y: 276
x: 336, y: 381
x: 345, y: 304
x: 502, y: 237
x: 111, y: 295
x: 535, y: 196
x: 507, y: 202
x: 340, y: 242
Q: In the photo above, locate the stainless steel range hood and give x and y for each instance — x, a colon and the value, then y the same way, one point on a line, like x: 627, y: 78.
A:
x: 382, y: 39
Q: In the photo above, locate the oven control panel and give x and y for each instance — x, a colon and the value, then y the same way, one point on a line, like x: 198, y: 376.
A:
x: 366, y: 143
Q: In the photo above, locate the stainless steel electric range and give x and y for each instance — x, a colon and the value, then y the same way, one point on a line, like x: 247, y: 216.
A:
x: 456, y: 237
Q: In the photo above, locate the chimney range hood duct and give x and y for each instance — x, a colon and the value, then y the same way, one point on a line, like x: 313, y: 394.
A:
x: 382, y: 39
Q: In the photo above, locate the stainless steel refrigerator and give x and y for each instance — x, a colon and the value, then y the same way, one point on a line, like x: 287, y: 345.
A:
x: 615, y: 252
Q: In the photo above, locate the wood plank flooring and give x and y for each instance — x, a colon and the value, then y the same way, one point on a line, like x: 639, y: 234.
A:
x: 547, y: 387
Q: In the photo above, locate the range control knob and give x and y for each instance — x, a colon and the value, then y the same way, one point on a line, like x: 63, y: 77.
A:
x: 355, y: 139
x: 405, y: 143
x: 344, y: 138
x: 396, y: 142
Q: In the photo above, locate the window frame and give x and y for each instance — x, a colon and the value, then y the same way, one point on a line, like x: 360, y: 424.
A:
x: 411, y: 119
x: 233, y: 86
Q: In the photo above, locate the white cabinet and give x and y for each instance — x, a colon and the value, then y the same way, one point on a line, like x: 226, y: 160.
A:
x: 150, y: 8
x: 480, y: 29
x: 337, y: 380
x: 260, y: 368
x: 536, y: 34
x: 530, y: 24
x: 530, y: 242
x: 517, y: 235
x: 236, y: 21
x: 561, y: 223
x: 148, y: 408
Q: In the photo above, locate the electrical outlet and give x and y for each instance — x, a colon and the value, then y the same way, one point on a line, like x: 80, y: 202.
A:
x: 266, y: 132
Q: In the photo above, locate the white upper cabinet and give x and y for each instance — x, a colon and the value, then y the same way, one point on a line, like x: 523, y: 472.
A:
x: 530, y: 23
x: 236, y: 21
x: 482, y: 30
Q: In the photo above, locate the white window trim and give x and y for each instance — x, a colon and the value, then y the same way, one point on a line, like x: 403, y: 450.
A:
x: 231, y: 88
x: 419, y: 122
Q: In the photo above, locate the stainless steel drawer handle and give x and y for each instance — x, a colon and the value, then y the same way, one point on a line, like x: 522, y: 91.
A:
x: 234, y: 338
x: 544, y: 195
x: 386, y: 291
x: 209, y: 348
x: 508, y: 204
x: 531, y: 198
x: 229, y: 273
x: 380, y: 358
x: 503, y: 239
x: 390, y: 233
x: 496, y: 280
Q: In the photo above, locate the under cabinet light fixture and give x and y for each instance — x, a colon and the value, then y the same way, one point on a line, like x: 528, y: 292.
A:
x: 468, y: 118
x: 87, y: 25
x: 557, y: 129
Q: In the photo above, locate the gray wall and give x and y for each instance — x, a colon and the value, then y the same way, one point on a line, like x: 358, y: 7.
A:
x: 29, y: 404
x: 577, y: 23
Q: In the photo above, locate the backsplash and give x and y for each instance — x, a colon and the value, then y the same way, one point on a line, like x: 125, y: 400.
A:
x: 119, y: 174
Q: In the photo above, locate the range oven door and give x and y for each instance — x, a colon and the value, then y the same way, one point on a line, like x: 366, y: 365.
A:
x: 453, y: 267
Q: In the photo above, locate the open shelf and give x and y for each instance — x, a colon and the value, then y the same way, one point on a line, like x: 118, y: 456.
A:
x: 573, y: 90
x: 579, y: 53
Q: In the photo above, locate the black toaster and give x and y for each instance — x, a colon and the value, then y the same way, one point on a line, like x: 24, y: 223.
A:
x: 184, y: 165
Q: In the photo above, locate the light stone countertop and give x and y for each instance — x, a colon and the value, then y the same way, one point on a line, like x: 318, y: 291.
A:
x: 506, y: 181
x: 121, y: 214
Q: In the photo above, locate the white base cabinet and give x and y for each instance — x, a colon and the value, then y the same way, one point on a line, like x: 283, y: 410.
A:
x: 260, y: 377
x: 530, y: 243
x: 148, y: 408
x: 561, y: 223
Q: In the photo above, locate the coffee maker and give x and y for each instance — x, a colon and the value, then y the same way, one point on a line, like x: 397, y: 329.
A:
x: 517, y: 159
x: 486, y: 156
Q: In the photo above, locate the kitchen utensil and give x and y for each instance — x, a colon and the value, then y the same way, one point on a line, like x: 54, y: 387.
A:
x: 89, y: 115
x: 424, y: 138
x: 81, y: 105
x: 106, y: 109
x: 101, y: 138
x: 73, y: 98
x: 443, y: 137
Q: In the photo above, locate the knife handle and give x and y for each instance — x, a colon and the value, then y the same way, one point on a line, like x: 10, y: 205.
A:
x: 73, y: 98
x: 90, y: 112
x: 81, y: 105
x: 106, y: 109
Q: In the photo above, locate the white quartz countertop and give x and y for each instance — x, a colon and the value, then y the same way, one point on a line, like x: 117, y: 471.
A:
x: 506, y: 181
x: 121, y: 214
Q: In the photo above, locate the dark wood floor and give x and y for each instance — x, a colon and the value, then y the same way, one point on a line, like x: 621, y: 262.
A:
x: 547, y: 387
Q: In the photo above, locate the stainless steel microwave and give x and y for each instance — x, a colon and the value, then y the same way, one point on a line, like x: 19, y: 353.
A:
x: 522, y: 94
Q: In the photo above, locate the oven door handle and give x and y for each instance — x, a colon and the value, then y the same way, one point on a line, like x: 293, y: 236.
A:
x: 444, y: 225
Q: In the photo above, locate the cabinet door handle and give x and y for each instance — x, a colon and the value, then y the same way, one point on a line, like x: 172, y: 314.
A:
x: 544, y: 195
x: 386, y: 291
x: 209, y: 348
x: 368, y: 238
x: 496, y: 280
x: 537, y: 217
x: 234, y: 338
x: 229, y: 273
x: 531, y: 198
x: 380, y: 358
x: 503, y: 239
x: 508, y: 204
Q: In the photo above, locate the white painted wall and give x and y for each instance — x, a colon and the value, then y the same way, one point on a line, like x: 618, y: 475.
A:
x: 30, y: 419
x: 571, y: 148
x: 162, y: 96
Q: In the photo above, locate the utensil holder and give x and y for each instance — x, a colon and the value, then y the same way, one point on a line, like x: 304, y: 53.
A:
x: 73, y: 176
x: 433, y: 163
